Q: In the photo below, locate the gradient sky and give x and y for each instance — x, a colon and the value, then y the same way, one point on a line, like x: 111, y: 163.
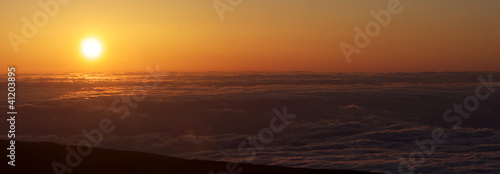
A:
x: 259, y: 35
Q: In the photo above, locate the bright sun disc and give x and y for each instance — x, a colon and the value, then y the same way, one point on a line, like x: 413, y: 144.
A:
x: 91, y: 48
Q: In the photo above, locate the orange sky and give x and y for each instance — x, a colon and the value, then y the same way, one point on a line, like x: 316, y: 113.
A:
x: 258, y: 35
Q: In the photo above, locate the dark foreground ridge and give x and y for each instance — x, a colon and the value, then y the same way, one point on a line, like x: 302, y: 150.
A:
x: 37, y: 158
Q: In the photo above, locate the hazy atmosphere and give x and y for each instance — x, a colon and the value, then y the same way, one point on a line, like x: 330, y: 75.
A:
x: 292, y: 35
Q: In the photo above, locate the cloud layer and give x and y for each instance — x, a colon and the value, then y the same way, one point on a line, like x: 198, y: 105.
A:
x: 345, y: 121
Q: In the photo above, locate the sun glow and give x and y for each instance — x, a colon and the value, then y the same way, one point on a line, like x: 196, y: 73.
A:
x: 91, y: 48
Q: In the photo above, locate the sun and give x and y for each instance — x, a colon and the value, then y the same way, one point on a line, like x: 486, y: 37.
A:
x: 91, y: 48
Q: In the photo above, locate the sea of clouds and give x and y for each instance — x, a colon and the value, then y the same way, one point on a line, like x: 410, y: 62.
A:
x: 344, y: 121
